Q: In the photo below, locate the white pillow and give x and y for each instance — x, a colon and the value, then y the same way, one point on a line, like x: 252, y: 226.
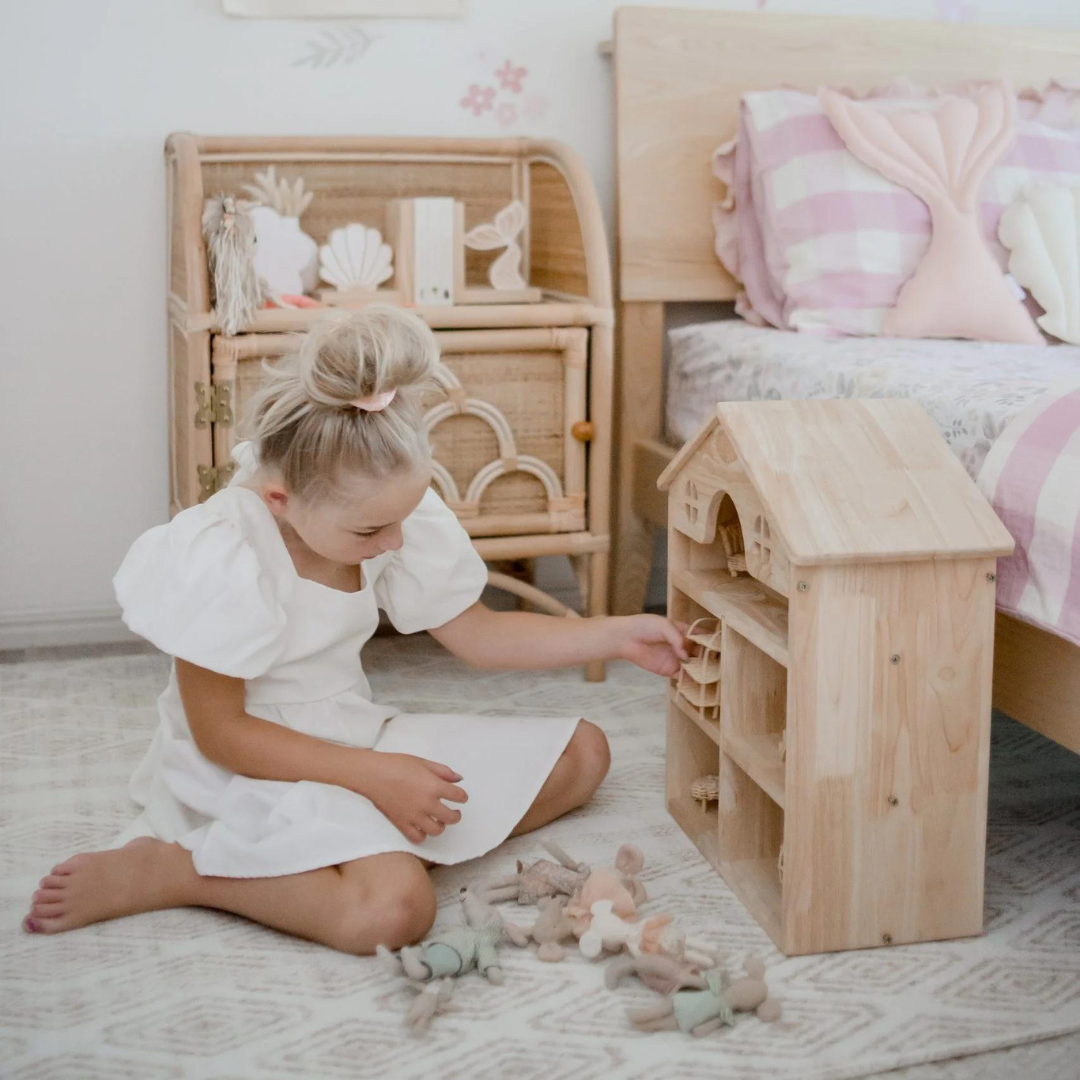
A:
x: 1041, y: 229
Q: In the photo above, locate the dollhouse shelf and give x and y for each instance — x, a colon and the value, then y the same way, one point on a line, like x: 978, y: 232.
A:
x: 709, y: 726
x: 742, y: 603
x: 759, y: 757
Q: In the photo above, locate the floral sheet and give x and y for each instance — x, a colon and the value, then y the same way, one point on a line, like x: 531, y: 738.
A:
x: 970, y: 389
x: 1011, y: 413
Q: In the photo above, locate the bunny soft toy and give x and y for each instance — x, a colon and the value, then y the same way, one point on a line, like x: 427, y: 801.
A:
x: 656, y: 935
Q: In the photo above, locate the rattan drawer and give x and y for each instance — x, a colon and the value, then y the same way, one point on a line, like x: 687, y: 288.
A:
x: 500, y: 419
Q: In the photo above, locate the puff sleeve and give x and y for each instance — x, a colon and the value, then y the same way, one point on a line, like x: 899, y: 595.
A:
x: 197, y: 589
x: 435, y: 575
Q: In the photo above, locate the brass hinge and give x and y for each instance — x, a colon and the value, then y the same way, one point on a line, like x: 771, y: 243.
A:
x: 213, y: 478
x: 213, y: 405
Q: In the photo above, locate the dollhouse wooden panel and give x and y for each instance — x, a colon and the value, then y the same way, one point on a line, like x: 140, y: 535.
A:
x: 849, y: 564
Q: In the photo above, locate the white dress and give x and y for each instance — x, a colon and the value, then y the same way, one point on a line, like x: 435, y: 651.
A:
x: 217, y: 587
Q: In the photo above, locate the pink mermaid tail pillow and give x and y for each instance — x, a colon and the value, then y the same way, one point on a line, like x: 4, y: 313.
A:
x: 943, y: 156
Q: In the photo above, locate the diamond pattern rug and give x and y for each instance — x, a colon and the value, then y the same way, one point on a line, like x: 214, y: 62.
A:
x: 200, y: 995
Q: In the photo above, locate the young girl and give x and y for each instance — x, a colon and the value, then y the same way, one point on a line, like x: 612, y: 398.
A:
x: 275, y: 787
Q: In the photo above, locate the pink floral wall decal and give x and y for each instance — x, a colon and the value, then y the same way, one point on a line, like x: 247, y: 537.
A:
x: 479, y: 99
x: 510, y: 77
x: 507, y: 101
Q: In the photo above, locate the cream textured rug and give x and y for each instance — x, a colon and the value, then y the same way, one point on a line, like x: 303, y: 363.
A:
x: 199, y: 994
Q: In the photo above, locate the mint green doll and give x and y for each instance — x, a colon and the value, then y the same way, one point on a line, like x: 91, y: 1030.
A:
x: 457, y: 952
x: 701, y: 1012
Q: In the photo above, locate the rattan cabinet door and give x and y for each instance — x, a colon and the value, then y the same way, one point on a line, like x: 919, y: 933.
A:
x: 500, y: 418
x: 500, y: 423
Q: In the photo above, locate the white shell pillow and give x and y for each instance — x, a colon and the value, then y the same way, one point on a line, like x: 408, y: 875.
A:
x: 1041, y: 229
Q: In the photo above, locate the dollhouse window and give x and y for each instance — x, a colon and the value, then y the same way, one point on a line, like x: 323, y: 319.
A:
x: 691, y: 506
x: 762, y: 547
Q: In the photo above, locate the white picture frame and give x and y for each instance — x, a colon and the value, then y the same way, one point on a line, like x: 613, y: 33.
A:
x: 344, y: 9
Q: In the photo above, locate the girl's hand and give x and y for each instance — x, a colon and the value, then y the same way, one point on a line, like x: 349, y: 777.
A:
x: 650, y: 641
x: 410, y: 791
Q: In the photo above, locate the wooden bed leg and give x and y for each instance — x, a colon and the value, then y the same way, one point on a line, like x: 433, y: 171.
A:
x: 638, y: 382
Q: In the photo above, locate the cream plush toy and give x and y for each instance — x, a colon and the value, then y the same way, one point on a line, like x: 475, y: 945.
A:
x: 655, y: 935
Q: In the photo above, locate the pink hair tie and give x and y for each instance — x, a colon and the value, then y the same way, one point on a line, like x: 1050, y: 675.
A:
x: 375, y: 403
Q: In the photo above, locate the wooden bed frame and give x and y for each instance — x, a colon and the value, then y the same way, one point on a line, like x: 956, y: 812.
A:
x: 678, y: 79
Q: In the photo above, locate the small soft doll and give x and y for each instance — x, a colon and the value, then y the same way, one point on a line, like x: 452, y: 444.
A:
x: 457, y: 952
x: 659, y: 973
x: 542, y: 878
x: 552, y: 927
x: 620, y: 886
x: 700, y: 1012
x: 656, y: 935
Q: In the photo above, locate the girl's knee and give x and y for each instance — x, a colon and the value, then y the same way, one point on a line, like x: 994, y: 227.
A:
x: 406, y: 917
x: 395, y: 908
x: 402, y: 903
x: 591, y: 755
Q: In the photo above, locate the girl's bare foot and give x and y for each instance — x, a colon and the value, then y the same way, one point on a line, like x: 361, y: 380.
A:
x: 144, y: 875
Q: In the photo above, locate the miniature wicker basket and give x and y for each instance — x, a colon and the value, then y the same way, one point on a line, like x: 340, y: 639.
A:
x: 705, y: 789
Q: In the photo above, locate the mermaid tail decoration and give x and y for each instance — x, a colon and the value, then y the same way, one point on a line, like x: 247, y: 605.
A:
x: 943, y: 157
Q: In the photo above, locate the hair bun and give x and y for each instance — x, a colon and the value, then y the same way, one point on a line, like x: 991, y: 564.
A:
x: 371, y: 352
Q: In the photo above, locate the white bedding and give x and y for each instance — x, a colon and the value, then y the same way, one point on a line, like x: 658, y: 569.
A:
x: 970, y: 389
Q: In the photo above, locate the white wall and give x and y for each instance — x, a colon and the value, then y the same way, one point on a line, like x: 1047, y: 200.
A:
x: 88, y: 91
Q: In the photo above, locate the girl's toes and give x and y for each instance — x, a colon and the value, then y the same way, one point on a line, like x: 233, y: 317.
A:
x: 48, y: 896
x: 53, y: 881
x: 39, y: 910
x: 47, y: 924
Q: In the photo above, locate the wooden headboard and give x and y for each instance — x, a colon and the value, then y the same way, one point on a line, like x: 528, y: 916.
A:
x: 678, y: 78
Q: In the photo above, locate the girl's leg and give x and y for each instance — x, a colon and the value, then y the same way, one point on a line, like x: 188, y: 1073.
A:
x: 383, y: 899
x: 577, y: 774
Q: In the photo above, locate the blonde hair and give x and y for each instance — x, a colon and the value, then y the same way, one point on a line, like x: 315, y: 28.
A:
x: 304, y: 420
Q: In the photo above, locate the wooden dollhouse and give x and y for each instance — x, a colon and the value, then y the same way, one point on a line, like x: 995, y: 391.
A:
x: 837, y: 568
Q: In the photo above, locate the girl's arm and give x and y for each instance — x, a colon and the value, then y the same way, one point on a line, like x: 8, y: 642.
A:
x: 407, y: 789
x: 519, y: 639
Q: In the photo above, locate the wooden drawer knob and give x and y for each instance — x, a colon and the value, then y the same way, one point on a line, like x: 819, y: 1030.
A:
x: 583, y: 430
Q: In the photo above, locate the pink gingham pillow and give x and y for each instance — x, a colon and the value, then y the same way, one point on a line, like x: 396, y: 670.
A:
x: 823, y: 243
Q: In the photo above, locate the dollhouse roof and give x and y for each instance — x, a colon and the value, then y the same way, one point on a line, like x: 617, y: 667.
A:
x: 854, y: 480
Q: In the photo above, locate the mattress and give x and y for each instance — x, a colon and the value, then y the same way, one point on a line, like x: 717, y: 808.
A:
x: 970, y: 389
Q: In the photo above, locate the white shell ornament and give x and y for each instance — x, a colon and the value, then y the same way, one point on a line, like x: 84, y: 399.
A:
x: 285, y: 256
x: 1041, y: 229
x: 505, y: 271
x: 356, y: 258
